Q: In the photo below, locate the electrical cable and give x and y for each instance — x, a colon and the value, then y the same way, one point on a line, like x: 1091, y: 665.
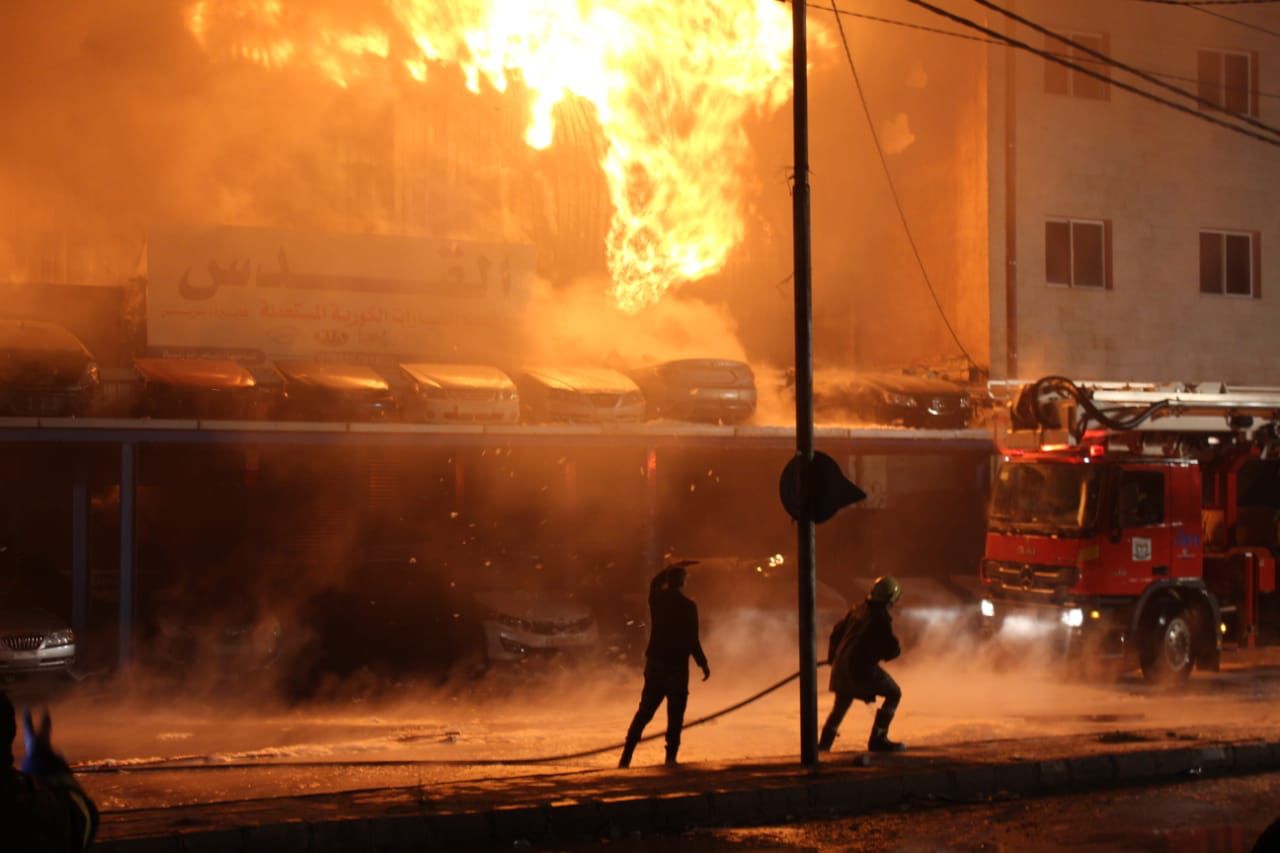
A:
x: 893, y: 189
x: 1114, y: 63
x: 177, y: 763
x: 1191, y: 4
x: 1246, y: 24
x: 994, y: 42
x: 1088, y: 72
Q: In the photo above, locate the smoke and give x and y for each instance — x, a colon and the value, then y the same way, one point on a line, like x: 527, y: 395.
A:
x: 181, y: 134
x: 580, y: 324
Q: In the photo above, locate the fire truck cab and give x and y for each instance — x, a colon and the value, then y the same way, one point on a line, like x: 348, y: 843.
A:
x: 1137, y: 523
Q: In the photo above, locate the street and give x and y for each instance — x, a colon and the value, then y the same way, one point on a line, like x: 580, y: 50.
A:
x: 243, y: 745
x: 1214, y: 816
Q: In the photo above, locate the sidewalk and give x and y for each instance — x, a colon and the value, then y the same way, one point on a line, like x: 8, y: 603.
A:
x: 590, y: 804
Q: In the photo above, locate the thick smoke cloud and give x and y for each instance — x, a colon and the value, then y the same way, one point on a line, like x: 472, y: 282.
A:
x: 122, y: 121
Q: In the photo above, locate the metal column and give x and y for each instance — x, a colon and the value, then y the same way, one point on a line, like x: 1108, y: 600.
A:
x: 806, y: 570
x: 80, y: 546
x: 128, y: 555
x: 653, y: 546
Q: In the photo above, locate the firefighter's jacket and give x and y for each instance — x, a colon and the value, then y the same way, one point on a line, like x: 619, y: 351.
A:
x: 44, y: 814
x: 859, y: 642
x: 673, y: 637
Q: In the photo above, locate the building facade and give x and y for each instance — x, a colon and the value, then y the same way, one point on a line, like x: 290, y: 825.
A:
x: 1128, y: 240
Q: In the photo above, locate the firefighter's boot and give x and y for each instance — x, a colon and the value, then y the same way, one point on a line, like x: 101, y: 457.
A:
x: 827, y: 740
x: 879, y: 740
x: 624, y: 761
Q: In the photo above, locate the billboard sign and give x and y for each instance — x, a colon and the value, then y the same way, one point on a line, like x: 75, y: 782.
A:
x: 258, y: 294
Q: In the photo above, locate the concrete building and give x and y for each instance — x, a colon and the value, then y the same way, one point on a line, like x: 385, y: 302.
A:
x: 1128, y: 240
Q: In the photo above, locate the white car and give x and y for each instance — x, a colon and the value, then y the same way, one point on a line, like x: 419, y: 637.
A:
x: 467, y: 393
x: 34, y: 640
x: 521, y: 624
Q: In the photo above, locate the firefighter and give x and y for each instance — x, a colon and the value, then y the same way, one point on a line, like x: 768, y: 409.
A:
x: 673, y: 639
x: 42, y: 808
x: 858, y: 644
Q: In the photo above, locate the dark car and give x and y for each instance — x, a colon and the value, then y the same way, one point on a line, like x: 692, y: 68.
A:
x: 197, y: 388
x: 328, y: 391
x: 698, y: 389
x: 44, y: 371
x: 578, y: 394
x: 386, y: 618
x: 893, y: 399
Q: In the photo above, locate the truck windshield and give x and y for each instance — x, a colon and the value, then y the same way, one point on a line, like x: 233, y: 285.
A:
x: 1053, y: 497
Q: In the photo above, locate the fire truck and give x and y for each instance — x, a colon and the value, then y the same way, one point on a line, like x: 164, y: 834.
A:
x: 1136, y: 523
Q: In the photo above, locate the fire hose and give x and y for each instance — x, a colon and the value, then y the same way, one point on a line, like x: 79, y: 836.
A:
x: 189, y: 762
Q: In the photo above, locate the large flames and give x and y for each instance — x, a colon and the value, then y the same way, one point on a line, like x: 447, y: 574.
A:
x: 671, y: 84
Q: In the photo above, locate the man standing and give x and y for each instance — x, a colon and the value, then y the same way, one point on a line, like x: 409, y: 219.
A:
x: 859, y: 643
x: 673, y: 638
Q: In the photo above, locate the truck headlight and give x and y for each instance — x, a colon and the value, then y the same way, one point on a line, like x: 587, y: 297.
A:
x: 1073, y: 618
x: 987, y: 607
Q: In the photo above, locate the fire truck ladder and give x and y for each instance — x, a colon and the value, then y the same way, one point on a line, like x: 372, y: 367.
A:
x: 1058, y: 403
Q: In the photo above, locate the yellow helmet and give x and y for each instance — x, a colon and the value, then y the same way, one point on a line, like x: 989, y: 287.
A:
x: 884, y: 591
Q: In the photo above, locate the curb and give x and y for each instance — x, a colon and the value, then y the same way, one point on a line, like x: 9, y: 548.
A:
x: 835, y: 791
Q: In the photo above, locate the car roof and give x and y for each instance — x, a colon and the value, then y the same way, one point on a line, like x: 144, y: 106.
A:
x: 457, y: 375
x: 195, y: 372
x: 582, y: 379
x: 332, y: 375
x: 899, y: 382
x: 695, y: 363
x: 18, y: 334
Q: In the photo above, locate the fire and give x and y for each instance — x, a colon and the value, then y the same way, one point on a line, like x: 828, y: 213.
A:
x: 671, y: 85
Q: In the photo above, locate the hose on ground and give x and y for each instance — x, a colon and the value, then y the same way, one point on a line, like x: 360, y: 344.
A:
x: 189, y: 762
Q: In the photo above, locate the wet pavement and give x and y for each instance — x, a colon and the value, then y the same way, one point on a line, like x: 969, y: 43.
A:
x: 420, y: 737
x: 1211, y: 816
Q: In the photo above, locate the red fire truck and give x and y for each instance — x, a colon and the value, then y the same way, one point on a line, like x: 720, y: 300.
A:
x: 1137, y: 523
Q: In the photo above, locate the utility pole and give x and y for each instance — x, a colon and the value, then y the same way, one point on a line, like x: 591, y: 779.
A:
x: 806, y: 569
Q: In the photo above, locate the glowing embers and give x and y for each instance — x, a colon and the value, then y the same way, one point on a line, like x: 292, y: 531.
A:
x: 672, y: 85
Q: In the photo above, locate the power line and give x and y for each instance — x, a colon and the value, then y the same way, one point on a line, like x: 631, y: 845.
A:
x: 907, y: 24
x: 1088, y: 72
x: 1137, y: 72
x: 893, y: 190
x: 997, y: 43
x: 1246, y: 24
x: 1191, y: 4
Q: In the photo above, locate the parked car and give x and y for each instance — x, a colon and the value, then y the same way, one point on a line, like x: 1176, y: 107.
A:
x: 33, y: 640
x: 391, y: 618
x: 44, y: 371
x: 698, y: 389
x: 524, y: 622
x: 329, y: 391
x: 198, y: 388
x: 892, y: 399
x: 450, y: 393
x: 579, y: 394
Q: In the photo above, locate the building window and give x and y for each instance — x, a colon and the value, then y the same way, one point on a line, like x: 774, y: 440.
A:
x: 1077, y: 252
x: 1229, y: 263
x: 1228, y: 81
x: 1061, y: 80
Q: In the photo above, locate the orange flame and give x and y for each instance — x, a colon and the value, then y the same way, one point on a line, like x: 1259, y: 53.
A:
x: 671, y: 84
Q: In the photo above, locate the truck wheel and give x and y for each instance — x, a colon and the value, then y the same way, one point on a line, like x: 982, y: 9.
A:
x: 1167, y: 650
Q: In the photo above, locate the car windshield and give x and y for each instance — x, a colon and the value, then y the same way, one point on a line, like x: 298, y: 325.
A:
x: 1052, y: 497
